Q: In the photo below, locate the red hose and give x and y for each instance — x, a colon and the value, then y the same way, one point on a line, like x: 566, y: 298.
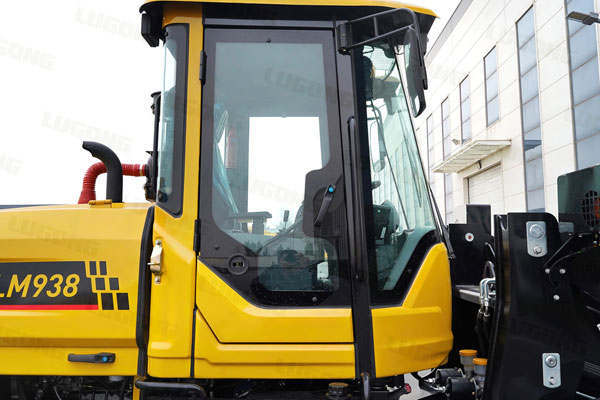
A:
x: 88, y: 191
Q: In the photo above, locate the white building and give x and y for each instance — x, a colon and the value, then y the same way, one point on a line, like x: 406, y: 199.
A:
x: 513, y: 102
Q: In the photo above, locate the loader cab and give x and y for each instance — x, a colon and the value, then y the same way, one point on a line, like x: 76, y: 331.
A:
x: 292, y: 208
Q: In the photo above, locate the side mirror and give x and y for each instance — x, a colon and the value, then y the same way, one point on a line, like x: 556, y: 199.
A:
x: 416, y: 78
x: 399, y: 28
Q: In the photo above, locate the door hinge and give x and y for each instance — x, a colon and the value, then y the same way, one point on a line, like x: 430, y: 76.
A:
x: 202, y: 66
x: 197, y: 226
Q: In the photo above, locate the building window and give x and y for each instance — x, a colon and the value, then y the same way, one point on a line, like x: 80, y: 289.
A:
x: 446, y: 143
x: 430, y: 159
x: 585, y: 85
x: 465, y: 110
x: 447, y: 139
x: 530, y: 113
x: 449, y: 202
x: 491, y: 86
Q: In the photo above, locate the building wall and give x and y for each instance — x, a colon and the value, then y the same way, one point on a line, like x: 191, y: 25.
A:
x: 475, y: 29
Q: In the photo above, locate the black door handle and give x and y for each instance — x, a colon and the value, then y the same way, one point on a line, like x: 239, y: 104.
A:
x: 327, y: 198
x: 98, y: 358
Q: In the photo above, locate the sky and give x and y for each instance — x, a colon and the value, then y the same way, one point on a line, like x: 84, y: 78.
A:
x: 79, y: 70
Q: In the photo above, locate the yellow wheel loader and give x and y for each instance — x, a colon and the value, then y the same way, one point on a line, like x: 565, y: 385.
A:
x: 290, y: 247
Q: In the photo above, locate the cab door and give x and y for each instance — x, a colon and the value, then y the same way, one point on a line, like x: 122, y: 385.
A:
x: 401, y: 285
x: 173, y: 263
x: 274, y: 259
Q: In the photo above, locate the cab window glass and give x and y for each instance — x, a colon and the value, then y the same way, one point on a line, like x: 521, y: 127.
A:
x: 402, y: 213
x: 172, y: 113
x: 268, y: 148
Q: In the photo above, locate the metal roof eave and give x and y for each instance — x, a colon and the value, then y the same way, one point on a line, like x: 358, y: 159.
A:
x: 349, y: 3
x: 469, y: 154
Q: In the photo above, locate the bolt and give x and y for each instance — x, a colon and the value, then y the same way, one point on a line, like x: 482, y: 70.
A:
x: 556, y: 297
x: 536, y: 231
x: 547, y: 271
x: 552, y: 381
x: 537, y: 250
x: 551, y: 361
x: 562, y: 271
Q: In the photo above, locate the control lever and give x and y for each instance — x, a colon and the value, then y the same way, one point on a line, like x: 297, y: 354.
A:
x: 327, y: 198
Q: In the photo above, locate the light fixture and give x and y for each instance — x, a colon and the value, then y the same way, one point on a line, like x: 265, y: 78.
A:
x: 586, y: 19
x: 456, y: 141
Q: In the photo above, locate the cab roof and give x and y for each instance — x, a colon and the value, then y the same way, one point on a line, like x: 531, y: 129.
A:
x: 343, y: 3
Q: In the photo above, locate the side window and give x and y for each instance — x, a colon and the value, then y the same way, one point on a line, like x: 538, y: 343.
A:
x: 172, y: 126
x: 402, y: 217
x: 272, y: 129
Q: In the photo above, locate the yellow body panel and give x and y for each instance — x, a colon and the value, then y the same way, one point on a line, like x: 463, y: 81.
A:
x: 412, y: 337
x: 417, y: 335
x: 36, y: 340
x: 269, y: 361
x: 43, y: 360
x: 172, y: 301
x: 341, y: 3
x: 235, y: 320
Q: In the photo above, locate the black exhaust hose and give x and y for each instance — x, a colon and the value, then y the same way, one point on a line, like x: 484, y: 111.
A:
x: 114, y: 171
x: 483, y: 345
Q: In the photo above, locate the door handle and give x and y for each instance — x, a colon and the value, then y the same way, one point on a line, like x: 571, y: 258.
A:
x: 155, y: 263
x: 98, y: 358
x: 327, y: 198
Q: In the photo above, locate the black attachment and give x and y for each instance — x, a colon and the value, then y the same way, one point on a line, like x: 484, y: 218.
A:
x: 337, y: 391
x: 171, y: 387
x: 471, y: 253
x: 442, y: 375
x: 197, y: 227
x: 203, y: 66
x: 480, y: 214
x: 579, y: 199
x: 114, y: 171
x: 460, y: 389
x: 327, y: 198
x: 152, y: 28
x: 98, y: 358
x: 529, y: 322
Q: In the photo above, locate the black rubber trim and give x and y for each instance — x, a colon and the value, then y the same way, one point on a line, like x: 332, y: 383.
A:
x: 173, y: 203
x: 143, y: 300
x: 192, y: 372
x: 164, y: 386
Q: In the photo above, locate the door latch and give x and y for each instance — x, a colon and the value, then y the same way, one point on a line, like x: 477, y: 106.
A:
x: 155, y: 263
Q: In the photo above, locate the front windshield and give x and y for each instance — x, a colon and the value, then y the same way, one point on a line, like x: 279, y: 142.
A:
x: 402, y: 210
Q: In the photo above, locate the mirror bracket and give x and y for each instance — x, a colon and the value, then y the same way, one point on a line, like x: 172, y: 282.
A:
x: 345, y: 32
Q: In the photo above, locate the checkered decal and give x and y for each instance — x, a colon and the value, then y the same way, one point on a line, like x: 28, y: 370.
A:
x: 106, y: 287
